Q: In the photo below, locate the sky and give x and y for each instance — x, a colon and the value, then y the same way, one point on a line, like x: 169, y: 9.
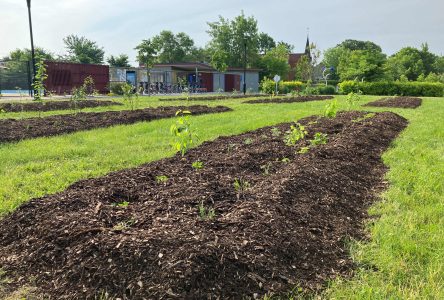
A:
x: 120, y: 25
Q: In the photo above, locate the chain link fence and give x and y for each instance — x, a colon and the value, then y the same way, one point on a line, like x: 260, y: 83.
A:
x: 15, y: 77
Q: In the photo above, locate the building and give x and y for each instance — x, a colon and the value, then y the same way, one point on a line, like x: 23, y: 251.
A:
x: 294, y: 58
x: 200, y: 77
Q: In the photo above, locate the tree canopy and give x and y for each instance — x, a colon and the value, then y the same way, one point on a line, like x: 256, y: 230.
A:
x: 121, y: 60
x: 82, y: 50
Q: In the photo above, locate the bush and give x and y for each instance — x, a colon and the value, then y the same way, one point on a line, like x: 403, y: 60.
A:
x: 116, y: 87
x: 326, y: 90
x: 285, y: 87
x: 387, y: 88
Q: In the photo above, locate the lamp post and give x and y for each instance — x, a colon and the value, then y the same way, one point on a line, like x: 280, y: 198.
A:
x: 32, y: 42
x: 245, y: 67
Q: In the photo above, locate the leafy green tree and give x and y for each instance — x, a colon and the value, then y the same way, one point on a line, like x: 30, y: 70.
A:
x: 275, y: 62
x: 167, y: 47
x: 439, y: 65
x: 353, y: 45
x: 407, y: 62
x: 428, y: 59
x: 266, y: 43
x: 331, y: 59
x: 218, y: 61
x: 25, y: 54
x: 82, y: 50
x: 362, y: 65
x: 287, y: 46
x: 231, y: 36
x: 121, y: 60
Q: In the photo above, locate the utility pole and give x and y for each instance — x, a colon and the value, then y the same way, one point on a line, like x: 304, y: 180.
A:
x: 32, y: 43
x: 245, y: 67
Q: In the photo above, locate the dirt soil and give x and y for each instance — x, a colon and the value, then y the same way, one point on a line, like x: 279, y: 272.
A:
x: 136, y: 234
x: 215, y: 97
x: 18, y: 129
x: 400, y: 102
x: 290, y: 99
x: 54, y: 105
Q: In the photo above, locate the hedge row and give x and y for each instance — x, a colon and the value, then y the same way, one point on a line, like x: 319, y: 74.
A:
x: 285, y: 87
x: 426, y: 89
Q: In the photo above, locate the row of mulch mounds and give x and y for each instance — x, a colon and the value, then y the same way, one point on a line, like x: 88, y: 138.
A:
x: 18, y: 129
x: 289, y: 99
x: 215, y: 97
x: 54, y: 105
x: 138, y: 233
x: 399, y: 102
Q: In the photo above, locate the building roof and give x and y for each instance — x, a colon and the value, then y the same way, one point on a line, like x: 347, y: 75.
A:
x: 191, y: 66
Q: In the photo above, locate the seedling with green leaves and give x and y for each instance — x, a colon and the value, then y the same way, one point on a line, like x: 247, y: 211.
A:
x: 240, y: 186
x: 319, y: 139
x: 304, y: 150
x: 295, y: 133
x: 266, y: 168
x: 352, y: 99
x: 182, y: 132
x: 248, y: 141
x: 275, y: 132
x: 39, y: 79
x: 129, y: 96
x: 331, y: 109
x: 285, y: 160
x: 161, y: 179
x: 365, y: 117
x: 206, y: 213
x: 197, y: 165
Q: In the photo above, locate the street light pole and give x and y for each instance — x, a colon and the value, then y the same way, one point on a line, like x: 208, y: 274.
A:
x: 32, y: 43
x: 245, y: 67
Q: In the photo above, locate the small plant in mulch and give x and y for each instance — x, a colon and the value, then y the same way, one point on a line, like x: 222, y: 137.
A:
x: 197, y: 165
x: 124, y: 225
x: 241, y: 186
x: 285, y: 160
x: 304, y: 150
x: 295, y: 133
x: 248, y: 141
x: 129, y: 96
x: 365, y: 117
x: 331, y: 109
x: 319, y: 139
x: 230, y: 148
x: 40, y: 77
x: 352, y: 99
x: 266, y: 168
x: 161, y: 179
x: 206, y: 213
x: 123, y: 204
x: 182, y: 132
x: 275, y: 132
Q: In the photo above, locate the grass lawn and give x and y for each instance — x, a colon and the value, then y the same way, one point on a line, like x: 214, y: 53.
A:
x: 407, y: 238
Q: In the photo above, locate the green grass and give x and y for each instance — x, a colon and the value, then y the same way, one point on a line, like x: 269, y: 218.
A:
x: 407, y: 237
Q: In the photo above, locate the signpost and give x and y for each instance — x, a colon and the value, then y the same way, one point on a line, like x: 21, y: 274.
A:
x: 276, y: 79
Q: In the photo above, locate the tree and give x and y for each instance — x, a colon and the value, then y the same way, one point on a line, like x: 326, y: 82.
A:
x: 407, y: 62
x: 121, y: 60
x: 353, y: 59
x: 167, y: 47
x: 428, y: 59
x: 287, y: 46
x: 275, y: 62
x: 266, y: 43
x: 25, y: 54
x: 82, y: 50
x: 218, y: 62
x: 232, y: 37
x: 306, y: 65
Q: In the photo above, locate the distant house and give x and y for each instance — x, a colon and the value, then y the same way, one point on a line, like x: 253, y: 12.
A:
x: 294, y: 58
x: 200, y: 76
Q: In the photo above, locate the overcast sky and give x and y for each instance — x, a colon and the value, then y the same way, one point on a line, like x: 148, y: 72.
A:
x: 118, y: 25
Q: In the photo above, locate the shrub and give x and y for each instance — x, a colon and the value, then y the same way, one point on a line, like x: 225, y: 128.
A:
x: 326, y: 90
x: 116, y: 87
x: 409, y: 88
x: 268, y: 86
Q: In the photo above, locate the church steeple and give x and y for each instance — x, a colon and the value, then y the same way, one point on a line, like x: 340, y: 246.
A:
x: 307, y: 46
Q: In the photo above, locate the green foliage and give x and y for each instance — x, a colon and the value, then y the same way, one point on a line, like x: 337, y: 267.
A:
x: 387, y: 88
x: 229, y: 36
x: 167, y: 47
x: 266, y: 43
x: 197, y: 165
x: 161, y: 179
x: 121, y: 61
x: 295, y: 133
x: 206, y: 213
x: 407, y: 62
x: 319, y: 139
x: 241, y: 186
x: 304, y: 150
x: 275, y: 62
x: 123, y: 204
x: 331, y: 109
x: 128, y: 95
x: 268, y: 86
x: 116, y: 88
x: 184, y: 135
x: 248, y: 141
x: 266, y: 168
x: 40, y: 77
x: 326, y: 89
x: 275, y: 132
x: 82, y: 50
x: 352, y: 98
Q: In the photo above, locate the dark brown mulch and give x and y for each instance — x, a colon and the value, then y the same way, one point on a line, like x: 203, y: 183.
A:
x: 290, y: 99
x: 14, y: 130
x: 400, y: 102
x: 288, y: 228
x: 54, y: 105
x: 215, y: 97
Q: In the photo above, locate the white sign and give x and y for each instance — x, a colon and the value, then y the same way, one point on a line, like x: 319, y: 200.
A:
x: 277, y: 78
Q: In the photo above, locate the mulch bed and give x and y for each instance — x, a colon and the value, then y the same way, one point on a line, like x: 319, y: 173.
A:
x: 288, y: 228
x: 289, y: 99
x: 18, y: 129
x: 215, y: 97
x: 54, y: 105
x: 400, y: 102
